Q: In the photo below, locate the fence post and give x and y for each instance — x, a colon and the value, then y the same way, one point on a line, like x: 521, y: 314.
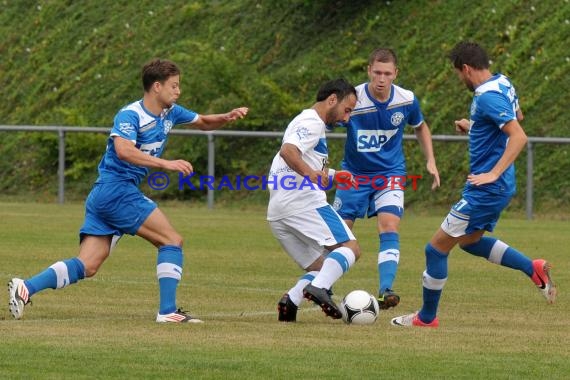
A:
x: 529, y: 179
x: 61, y: 167
x: 211, y: 163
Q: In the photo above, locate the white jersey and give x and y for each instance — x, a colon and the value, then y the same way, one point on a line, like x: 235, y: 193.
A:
x: 289, y: 192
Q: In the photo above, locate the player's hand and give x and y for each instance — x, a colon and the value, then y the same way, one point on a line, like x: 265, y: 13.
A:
x: 345, y: 179
x: 237, y: 113
x: 319, y: 177
x: 324, y: 180
x: 462, y: 126
x: 482, y: 179
x: 432, y: 169
x: 181, y: 166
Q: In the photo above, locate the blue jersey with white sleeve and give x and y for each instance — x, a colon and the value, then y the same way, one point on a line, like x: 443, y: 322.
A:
x: 148, y: 132
x: 494, y: 104
x: 375, y: 132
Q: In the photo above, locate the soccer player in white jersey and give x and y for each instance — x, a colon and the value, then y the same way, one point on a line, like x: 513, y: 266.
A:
x: 495, y: 140
x: 116, y: 206
x: 307, y: 227
x: 374, y: 154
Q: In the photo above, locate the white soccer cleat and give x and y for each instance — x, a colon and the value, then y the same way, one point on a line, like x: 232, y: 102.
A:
x: 18, y: 297
x: 410, y: 320
x: 179, y: 316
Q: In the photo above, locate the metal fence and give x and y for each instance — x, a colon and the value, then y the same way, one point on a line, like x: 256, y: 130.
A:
x: 61, y: 131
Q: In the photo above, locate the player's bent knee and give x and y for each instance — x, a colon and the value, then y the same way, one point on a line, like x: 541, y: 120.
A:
x: 354, y: 247
x: 316, y: 265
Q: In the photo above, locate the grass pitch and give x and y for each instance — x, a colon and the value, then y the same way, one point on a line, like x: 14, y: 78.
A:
x: 494, y: 323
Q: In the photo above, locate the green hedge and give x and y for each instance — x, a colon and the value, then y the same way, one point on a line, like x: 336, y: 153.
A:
x: 77, y: 63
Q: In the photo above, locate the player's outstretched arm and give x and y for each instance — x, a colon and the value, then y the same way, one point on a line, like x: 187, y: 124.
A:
x: 127, y: 151
x: 215, y: 121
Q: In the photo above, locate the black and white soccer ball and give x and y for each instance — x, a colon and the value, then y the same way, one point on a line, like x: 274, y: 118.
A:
x: 359, y: 308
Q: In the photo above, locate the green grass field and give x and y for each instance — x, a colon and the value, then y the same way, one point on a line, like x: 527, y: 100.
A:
x: 494, y: 323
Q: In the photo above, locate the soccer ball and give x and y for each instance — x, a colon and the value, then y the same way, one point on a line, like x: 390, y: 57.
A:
x: 359, y: 308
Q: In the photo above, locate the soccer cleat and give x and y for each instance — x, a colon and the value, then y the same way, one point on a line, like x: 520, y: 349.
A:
x: 410, y: 320
x: 322, y: 298
x: 388, y: 299
x: 19, y: 297
x: 541, y: 277
x: 179, y: 316
x: 287, y: 309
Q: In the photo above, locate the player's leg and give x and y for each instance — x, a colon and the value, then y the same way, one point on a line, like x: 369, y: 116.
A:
x: 388, y: 258
x: 291, y: 301
x: 434, y: 277
x: 158, y: 230
x: 387, y: 203
x: 329, y: 230
x: 95, y: 242
x: 485, y: 212
x: 307, y: 255
x: 92, y: 253
x: 433, y: 280
x: 435, y: 274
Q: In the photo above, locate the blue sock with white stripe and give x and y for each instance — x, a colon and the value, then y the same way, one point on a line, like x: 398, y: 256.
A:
x: 296, y: 292
x: 334, y: 266
x: 388, y: 259
x: 169, y: 273
x: 500, y: 253
x: 434, y: 278
x: 58, y: 275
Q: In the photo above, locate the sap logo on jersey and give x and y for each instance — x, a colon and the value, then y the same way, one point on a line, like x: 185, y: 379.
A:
x: 372, y: 140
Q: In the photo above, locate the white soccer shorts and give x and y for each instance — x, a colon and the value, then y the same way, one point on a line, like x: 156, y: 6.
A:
x: 304, y: 236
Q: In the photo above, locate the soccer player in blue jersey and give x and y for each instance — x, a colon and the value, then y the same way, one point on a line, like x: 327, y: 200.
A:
x: 374, y: 154
x: 495, y: 140
x: 305, y: 225
x: 115, y: 205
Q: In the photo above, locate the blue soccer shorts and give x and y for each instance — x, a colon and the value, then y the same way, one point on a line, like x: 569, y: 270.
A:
x: 377, y: 194
x: 477, y: 210
x: 115, y: 208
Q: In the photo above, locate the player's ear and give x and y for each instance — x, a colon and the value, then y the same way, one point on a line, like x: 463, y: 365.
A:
x: 332, y: 99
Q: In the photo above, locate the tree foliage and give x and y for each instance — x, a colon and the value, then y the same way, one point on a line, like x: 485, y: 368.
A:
x: 77, y: 63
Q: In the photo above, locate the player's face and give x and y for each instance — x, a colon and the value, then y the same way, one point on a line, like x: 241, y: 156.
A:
x: 169, y: 91
x: 381, y: 75
x: 463, y: 75
x: 341, y: 110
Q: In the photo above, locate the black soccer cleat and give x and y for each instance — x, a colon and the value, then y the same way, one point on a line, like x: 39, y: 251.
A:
x: 388, y: 299
x: 322, y: 298
x: 287, y: 309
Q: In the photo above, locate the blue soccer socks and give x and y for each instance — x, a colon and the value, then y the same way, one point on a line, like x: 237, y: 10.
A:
x: 58, y: 275
x: 434, y: 278
x: 169, y: 273
x: 388, y: 259
x: 500, y: 253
